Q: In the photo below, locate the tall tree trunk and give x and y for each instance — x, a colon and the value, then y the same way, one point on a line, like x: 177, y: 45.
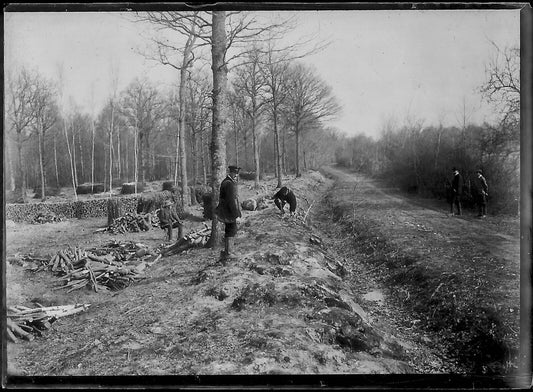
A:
x: 41, y: 164
x: 111, y: 150
x: 236, y: 142
x: 277, y: 147
x: 71, y: 162
x: 177, y: 162
x: 256, y: 152
x: 283, y: 152
x: 119, y: 168
x: 202, y: 157
x: 55, y: 162
x: 297, y: 154
x: 135, y: 156
x: 81, y: 159
x: 92, y: 152
x: 74, y: 158
x: 245, y: 141
x: 218, y: 140
x: 10, y: 170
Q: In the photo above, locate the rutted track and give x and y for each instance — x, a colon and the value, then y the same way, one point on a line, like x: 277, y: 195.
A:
x: 455, y: 278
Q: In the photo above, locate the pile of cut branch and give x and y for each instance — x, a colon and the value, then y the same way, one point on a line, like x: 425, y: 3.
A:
x: 194, y: 239
x: 24, y: 323
x: 132, y: 222
x: 112, y: 267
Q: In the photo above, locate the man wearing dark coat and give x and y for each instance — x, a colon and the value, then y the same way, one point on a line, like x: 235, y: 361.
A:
x: 457, y: 191
x: 480, y: 191
x: 229, y: 210
x: 168, y: 219
x: 283, y: 196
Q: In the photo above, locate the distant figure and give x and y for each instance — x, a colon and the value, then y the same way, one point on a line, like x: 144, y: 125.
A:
x: 228, y: 210
x: 168, y: 219
x: 480, y: 191
x: 457, y: 191
x: 285, y: 195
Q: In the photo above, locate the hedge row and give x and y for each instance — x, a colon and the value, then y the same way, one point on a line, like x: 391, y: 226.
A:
x: 74, y: 209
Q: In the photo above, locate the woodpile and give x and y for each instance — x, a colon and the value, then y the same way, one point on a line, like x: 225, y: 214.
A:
x: 111, y: 267
x: 24, y: 322
x: 72, y: 209
x: 133, y: 222
x: 195, y: 239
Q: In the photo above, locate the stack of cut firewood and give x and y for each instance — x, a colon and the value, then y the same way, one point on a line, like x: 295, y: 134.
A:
x: 132, y: 222
x: 24, y: 322
x: 112, y: 267
x: 196, y: 238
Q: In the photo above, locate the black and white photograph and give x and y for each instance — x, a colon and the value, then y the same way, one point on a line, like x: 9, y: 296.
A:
x: 262, y: 195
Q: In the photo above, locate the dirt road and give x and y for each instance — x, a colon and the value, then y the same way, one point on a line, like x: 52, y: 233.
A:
x: 336, y: 293
x: 457, y: 275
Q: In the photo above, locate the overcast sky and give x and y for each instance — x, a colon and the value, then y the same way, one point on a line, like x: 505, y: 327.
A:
x: 381, y: 65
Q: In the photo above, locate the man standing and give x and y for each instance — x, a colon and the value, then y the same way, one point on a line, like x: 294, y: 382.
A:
x: 168, y: 219
x: 480, y: 192
x: 229, y: 210
x: 457, y: 191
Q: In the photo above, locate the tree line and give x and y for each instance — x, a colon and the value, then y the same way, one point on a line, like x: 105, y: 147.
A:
x: 419, y: 159
x: 267, y: 113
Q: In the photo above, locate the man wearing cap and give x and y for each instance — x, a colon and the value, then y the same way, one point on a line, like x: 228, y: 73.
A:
x: 457, y: 191
x: 480, y: 191
x: 168, y: 219
x: 229, y: 210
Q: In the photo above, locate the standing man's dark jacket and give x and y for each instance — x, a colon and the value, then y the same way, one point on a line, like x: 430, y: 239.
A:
x: 228, y: 208
x: 457, y: 184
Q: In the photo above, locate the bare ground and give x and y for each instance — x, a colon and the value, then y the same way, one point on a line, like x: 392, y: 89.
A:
x: 285, y: 306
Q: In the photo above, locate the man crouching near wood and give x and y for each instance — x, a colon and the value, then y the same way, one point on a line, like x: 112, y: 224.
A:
x: 283, y: 196
x: 168, y: 220
x: 228, y: 210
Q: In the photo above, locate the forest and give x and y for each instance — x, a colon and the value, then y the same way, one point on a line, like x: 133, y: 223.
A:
x: 274, y: 109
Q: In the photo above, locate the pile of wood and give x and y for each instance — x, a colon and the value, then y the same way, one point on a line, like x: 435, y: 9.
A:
x: 46, y: 217
x: 194, y: 239
x: 133, y: 222
x: 24, y: 322
x: 112, y: 267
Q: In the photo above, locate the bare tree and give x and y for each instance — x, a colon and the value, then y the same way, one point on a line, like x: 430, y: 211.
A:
x: 502, y: 85
x: 310, y: 100
x: 46, y: 115
x: 21, y: 97
x: 142, y: 104
x: 251, y: 83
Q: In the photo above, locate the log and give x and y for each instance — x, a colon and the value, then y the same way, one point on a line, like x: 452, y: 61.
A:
x: 19, y: 331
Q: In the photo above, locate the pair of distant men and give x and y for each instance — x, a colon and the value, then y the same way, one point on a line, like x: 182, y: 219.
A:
x: 479, y: 189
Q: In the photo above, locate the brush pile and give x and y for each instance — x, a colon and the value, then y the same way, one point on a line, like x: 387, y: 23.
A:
x: 133, y: 222
x: 25, y: 323
x: 111, y: 267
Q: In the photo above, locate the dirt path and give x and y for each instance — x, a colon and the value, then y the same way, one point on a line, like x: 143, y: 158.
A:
x: 427, y: 259
x: 289, y: 305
